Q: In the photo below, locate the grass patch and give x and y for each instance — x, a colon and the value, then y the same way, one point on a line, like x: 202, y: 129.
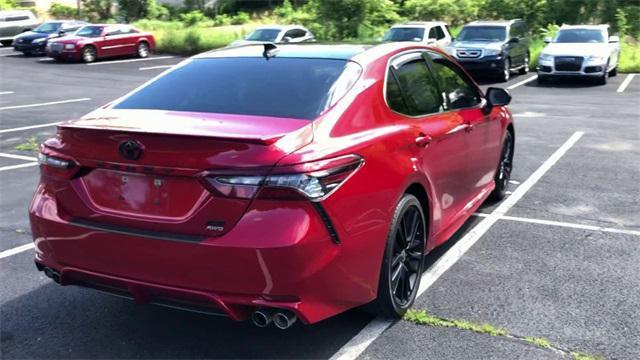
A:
x: 30, y: 145
x: 175, y: 38
x: 422, y: 317
x: 541, y: 342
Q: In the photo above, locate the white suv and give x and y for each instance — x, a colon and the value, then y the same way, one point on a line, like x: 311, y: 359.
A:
x: 14, y: 22
x: 580, y: 50
x: 433, y: 33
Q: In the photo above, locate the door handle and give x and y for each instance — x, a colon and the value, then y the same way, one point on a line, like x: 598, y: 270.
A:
x: 423, y: 140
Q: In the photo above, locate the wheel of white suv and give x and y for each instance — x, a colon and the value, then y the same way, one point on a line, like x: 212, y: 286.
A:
x: 403, y: 259
x: 602, y: 80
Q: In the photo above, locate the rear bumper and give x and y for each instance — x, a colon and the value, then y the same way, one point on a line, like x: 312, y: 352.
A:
x: 284, y: 259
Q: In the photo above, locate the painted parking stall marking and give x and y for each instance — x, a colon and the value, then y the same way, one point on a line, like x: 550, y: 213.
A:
x: 6, y: 92
x: 525, y: 81
x: 18, y: 157
x: 625, y: 83
x: 43, y: 104
x: 19, y: 166
x: 16, y: 250
x: 155, y: 67
x: 375, y: 328
x: 22, y: 128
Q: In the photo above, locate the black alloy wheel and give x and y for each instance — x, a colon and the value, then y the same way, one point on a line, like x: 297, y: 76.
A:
x: 503, y: 173
x: 403, y: 259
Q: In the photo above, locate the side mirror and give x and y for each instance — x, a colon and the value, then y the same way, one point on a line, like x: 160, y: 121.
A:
x: 286, y: 39
x: 614, y: 39
x: 547, y: 40
x: 498, y: 97
x: 514, y: 40
x: 61, y: 33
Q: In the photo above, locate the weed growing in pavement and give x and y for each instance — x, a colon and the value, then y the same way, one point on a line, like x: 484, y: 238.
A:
x: 30, y: 145
x: 422, y: 317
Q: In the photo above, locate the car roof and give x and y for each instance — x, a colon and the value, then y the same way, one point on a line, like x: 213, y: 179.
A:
x: 360, y: 53
x: 419, y: 24
x: 492, y: 22
x: 585, y: 26
x: 322, y: 51
x: 5, y: 13
x: 279, y: 27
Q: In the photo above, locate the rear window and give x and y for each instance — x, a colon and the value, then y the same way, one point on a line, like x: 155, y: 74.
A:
x: 404, y: 34
x: 280, y: 87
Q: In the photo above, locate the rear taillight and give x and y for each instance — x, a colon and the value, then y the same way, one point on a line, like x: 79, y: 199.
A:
x: 56, y: 166
x: 314, y: 180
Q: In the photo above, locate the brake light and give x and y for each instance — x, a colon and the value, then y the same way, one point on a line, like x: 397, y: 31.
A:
x: 314, y: 181
x: 56, y: 166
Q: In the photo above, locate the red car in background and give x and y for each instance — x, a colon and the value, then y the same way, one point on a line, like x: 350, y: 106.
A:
x: 273, y: 183
x: 93, y: 42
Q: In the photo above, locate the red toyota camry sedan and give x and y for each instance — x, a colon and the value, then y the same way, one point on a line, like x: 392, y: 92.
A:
x: 93, y: 42
x: 273, y: 183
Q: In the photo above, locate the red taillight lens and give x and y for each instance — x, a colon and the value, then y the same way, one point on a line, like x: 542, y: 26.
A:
x: 56, y: 166
x: 314, y: 180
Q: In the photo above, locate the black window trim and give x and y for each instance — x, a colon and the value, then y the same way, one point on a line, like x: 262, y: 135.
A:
x: 393, y: 64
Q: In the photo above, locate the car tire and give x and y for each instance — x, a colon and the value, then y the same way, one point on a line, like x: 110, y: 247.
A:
x: 27, y: 53
x: 6, y: 43
x: 543, y: 79
x: 613, y: 72
x: 505, y: 166
x: 142, y: 50
x: 89, y: 54
x: 602, y: 80
x: 403, y: 260
x: 525, y: 67
x: 505, y: 74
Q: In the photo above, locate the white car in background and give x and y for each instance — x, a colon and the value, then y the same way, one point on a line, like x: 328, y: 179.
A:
x: 432, y: 33
x: 580, y: 50
x: 276, y: 34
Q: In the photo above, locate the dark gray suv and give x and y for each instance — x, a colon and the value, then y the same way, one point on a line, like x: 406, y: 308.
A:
x: 495, y: 48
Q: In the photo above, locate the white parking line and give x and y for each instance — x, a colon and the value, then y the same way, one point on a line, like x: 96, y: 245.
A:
x: 625, y: 83
x: 16, y: 250
x: 44, y: 104
x: 20, y: 166
x: 130, y: 60
x: 6, y: 92
x: 28, y: 127
x: 155, y: 67
x: 19, y: 157
x: 522, y: 82
x: 564, y: 224
x: 375, y: 328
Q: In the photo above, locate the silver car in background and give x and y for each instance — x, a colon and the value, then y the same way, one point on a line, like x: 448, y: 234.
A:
x: 276, y: 34
x: 14, y: 22
x: 580, y: 50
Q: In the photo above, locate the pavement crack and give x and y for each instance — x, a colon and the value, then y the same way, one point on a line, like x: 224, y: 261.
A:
x: 422, y: 317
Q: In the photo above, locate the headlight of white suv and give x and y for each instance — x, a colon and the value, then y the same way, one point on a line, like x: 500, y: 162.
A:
x: 596, y: 59
x: 69, y: 46
x: 492, y: 52
x: 545, y: 57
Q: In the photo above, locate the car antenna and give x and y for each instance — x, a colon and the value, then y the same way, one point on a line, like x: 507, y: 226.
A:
x: 270, y: 50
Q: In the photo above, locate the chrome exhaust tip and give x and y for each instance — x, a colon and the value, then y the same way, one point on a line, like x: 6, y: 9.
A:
x: 261, y: 318
x: 284, y: 319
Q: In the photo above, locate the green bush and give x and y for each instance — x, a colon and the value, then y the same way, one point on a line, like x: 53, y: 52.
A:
x: 60, y: 11
x: 455, y: 12
x: 8, y: 4
x: 240, y: 18
x: 193, y: 18
x: 97, y: 10
x: 222, y: 20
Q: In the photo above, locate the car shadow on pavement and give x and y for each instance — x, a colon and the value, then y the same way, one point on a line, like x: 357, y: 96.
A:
x: 565, y: 83
x: 71, y: 322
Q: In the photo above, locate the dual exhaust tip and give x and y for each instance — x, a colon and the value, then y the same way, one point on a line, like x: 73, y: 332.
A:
x: 282, y: 319
x: 52, y: 274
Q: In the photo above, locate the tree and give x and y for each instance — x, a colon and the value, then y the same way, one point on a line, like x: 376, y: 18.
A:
x: 97, y: 9
x: 343, y: 19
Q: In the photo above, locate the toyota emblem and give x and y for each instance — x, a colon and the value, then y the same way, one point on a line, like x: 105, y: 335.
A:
x: 130, y: 149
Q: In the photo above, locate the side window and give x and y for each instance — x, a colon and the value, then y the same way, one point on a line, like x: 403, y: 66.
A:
x: 292, y: 34
x: 432, y: 33
x: 440, y: 33
x: 112, y: 31
x: 457, y: 88
x: 417, y: 87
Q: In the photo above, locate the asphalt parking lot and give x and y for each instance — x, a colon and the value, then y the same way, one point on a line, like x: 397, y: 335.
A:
x: 558, y: 259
